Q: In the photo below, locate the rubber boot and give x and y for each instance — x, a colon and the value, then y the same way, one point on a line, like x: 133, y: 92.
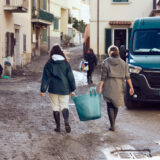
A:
x: 56, y: 115
x: 65, y: 113
x: 111, y: 118
x: 89, y: 80
x: 115, y: 113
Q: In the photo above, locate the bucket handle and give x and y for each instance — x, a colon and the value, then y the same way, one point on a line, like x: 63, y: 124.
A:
x: 91, y: 91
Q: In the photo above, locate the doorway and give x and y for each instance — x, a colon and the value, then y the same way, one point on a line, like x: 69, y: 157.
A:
x: 120, y: 37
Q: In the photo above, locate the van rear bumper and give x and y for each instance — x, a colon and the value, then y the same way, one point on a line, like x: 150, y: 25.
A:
x: 143, y: 91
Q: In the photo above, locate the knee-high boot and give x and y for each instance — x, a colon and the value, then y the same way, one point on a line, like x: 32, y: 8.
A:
x: 56, y: 116
x: 65, y: 113
x: 111, y: 118
x: 115, y: 113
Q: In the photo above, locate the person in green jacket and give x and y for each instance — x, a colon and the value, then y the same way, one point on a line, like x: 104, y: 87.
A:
x: 58, y: 78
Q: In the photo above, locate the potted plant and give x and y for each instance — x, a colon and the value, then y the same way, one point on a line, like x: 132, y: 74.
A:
x: 67, y: 39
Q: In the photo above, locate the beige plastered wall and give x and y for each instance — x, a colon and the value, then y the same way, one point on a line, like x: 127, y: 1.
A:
x: 64, y: 21
x: 10, y: 20
x: 23, y: 20
x: 55, y: 9
x: 114, y: 12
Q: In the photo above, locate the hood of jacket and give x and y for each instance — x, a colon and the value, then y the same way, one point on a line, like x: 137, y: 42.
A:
x: 57, y: 57
x: 114, y: 60
x: 116, y: 67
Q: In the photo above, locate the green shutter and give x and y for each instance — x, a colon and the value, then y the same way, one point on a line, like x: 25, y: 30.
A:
x: 56, y: 23
x: 44, y: 35
x: 24, y: 42
x: 108, y: 40
x: 129, y: 36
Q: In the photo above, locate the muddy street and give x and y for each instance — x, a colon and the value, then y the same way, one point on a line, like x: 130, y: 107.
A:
x: 27, y: 125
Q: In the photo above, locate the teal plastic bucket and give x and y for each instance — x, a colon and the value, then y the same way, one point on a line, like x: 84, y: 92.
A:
x: 88, y: 106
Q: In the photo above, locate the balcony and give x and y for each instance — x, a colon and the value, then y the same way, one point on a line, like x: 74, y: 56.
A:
x: 16, y: 6
x: 42, y: 17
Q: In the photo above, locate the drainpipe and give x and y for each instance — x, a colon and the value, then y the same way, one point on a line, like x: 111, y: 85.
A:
x: 98, y: 29
x: 49, y: 28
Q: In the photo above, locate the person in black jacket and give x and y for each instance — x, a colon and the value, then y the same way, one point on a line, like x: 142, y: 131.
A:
x: 59, y: 80
x: 92, y: 62
x: 1, y: 70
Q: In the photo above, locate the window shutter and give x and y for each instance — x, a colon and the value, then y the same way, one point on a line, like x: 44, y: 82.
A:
x: 56, y: 23
x: 44, y: 35
x: 129, y: 36
x: 108, y: 40
x: 7, y: 44
x: 12, y: 44
x: 24, y: 42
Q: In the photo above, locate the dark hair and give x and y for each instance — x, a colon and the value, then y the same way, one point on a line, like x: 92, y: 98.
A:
x: 113, y: 51
x: 90, y: 50
x: 57, y: 50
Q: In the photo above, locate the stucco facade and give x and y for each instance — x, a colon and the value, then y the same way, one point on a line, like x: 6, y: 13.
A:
x: 62, y: 9
x: 115, y: 19
x: 15, y: 37
x: 59, y: 8
x: 42, y: 18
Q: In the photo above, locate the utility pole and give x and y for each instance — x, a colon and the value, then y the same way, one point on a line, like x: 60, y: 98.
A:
x: 98, y: 28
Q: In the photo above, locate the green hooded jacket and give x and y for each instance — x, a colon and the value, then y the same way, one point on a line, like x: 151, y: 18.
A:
x: 58, y: 77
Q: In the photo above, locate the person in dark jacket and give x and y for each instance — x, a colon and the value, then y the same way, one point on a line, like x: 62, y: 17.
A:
x: 59, y: 80
x: 92, y: 62
x: 1, y: 70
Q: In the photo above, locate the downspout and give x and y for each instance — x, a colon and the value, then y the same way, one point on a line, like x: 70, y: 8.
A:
x: 98, y: 29
x: 49, y: 28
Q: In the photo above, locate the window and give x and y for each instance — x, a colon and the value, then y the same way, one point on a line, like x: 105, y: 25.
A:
x: 120, y: 0
x: 145, y: 41
x: 24, y: 42
x: 44, y: 5
x: 56, y: 23
x: 34, y: 3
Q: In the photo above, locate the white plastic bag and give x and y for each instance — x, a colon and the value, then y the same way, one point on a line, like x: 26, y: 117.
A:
x: 83, y: 66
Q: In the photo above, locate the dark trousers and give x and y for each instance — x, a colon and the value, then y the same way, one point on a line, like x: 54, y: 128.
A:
x: 112, y: 114
x: 89, y: 75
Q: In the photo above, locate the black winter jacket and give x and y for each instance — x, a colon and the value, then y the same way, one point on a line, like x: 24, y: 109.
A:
x: 92, y: 60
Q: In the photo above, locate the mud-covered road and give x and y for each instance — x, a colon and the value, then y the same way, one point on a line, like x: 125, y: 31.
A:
x: 27, y: 125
